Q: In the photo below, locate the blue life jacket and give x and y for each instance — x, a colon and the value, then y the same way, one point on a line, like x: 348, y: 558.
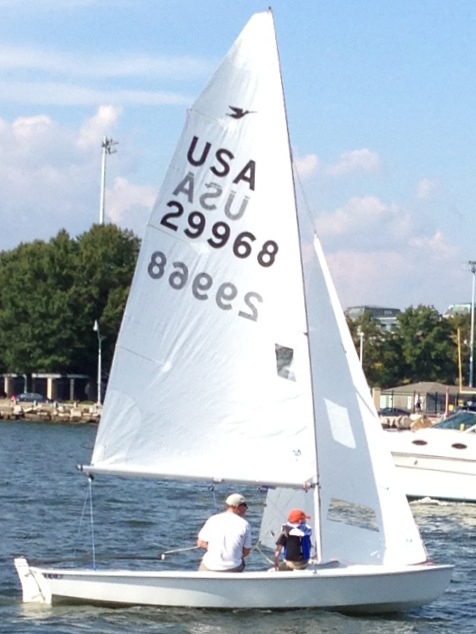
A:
x: 303, y: 532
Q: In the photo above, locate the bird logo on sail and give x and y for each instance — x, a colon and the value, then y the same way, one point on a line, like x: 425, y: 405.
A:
x: 238, y: 113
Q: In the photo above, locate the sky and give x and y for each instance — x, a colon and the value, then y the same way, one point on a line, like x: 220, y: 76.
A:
x: 381, y: 100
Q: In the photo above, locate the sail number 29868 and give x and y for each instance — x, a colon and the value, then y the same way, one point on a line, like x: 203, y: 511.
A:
x: 202, y: 286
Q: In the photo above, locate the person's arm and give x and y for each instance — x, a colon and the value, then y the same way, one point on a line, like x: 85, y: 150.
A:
x: 277, y: 552
x: 203, y: 536
x: 246, y: 542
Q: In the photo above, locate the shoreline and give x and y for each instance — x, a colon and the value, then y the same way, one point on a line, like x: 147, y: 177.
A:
x: 50, y: 412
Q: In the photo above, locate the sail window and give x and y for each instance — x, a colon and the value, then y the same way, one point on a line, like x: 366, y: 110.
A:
x: 284, y: 362
x: 352, y: 514
x: 341, y: 427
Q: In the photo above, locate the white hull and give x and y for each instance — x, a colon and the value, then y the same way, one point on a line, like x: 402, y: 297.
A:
x: 444, y: 468
x: 348, y: 588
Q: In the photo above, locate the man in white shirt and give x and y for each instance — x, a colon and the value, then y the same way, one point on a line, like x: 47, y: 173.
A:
x: 226, y: 537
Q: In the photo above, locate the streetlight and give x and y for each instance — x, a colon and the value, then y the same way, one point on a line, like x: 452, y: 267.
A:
x: 361, y: 350
x: 472, y: 268
x: 96, y: 329
x: 107, y: 148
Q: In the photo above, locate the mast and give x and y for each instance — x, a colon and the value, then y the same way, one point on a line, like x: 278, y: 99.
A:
x: 316, y: 491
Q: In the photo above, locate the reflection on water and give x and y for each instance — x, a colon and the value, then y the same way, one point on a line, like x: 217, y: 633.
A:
x: 45, y: 515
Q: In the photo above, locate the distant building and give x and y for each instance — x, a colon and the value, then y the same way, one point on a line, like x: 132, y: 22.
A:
x: 457, y: 309
x: 387, y: 317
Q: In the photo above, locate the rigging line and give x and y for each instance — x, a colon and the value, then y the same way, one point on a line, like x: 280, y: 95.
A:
x: 177, y: 550
x: 257, y: 547
x: 300, y: 191
x: 93, y: 545
x: 83, y: 512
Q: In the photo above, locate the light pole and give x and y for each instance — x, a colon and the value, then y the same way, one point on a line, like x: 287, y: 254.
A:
x: 107, y: 148
x: 472, y: 268
x: 361, y: 349
x: 96, y: 329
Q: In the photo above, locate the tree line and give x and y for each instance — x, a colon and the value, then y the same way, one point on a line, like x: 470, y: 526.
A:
x: 51, y: 293
x: 424, y: 346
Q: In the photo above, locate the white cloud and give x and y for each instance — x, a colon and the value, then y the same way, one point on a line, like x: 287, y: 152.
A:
x: 385, y: 277
x: 103, y: 122
x: 47, y: 4
x: 99, y: 66
x: 30, y: 75
x: 367, y: 277
x: 353, y: 162
x: 428, y: 189
x: 377, y: 251
x: 51, y: 179
x: 434, y: 244
x: 306, y: 166
x: 361, y: 216
x: 363, y: 160
x: 129, y: 205
x: 27, y: 128
x: 67, y: 94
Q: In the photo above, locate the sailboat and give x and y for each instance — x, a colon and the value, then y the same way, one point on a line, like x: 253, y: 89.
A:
x: 233, y: 337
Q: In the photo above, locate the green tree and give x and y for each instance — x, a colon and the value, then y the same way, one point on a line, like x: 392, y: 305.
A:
x: 36, y: 313
x: 392, y: 368
x: 106, y: 260
x: 461, y: 327
x: 368, y: 332
x: 423, y: 347
x: 425, y: 344
x: 51, y: 294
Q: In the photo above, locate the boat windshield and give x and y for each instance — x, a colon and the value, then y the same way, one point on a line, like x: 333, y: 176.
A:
x: 460, y: 420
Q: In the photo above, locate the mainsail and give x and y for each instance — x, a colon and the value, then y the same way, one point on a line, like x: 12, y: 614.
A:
x: 211, y: 375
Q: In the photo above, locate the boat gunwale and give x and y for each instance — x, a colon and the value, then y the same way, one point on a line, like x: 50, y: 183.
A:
x: 350, y: 570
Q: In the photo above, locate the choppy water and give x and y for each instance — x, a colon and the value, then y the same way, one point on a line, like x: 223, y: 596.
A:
x: 42, y: 498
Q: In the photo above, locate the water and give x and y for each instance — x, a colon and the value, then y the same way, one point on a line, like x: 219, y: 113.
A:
x: 42, y: 498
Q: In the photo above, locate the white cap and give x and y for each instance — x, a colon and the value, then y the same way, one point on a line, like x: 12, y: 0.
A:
x: 235, y: 499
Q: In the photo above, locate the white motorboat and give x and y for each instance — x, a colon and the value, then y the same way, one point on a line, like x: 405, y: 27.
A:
x: 438, y: 462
